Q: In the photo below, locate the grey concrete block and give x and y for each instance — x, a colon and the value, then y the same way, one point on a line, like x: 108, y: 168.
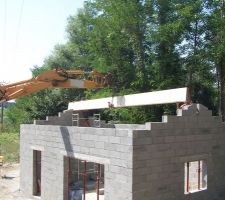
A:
x: 99, y: 145
x: 114, y: 139
x: 139, y: 164
x: 126, y: 141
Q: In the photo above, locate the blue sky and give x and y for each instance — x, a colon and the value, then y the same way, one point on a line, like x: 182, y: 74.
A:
x: 29, y: 30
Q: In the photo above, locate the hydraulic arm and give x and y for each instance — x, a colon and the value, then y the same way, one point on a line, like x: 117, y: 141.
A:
x: 57, y: 78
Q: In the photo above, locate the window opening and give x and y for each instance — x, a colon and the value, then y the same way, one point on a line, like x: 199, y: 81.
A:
x: 84, y: 180
x: 195, y: 176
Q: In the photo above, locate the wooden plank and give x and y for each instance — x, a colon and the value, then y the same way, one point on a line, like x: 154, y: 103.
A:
x: 140, y: 99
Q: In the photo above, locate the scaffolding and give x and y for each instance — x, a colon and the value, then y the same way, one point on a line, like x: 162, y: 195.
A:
x: 83, y: 172
x: 77, y: 120
x: 97, y: 120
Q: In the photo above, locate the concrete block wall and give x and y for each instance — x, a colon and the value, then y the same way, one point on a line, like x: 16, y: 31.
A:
x: 159, y: 155
x: 111, y: 147
x: 63, y: 119
x: 141, y: 161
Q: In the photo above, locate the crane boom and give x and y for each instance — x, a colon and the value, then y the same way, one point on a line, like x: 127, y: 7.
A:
x: 57, y: 78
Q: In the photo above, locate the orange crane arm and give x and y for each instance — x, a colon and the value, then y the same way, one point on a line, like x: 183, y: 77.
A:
x: 57, y: 78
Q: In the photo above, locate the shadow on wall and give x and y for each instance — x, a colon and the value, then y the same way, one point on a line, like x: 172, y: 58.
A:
x: 66, y: 139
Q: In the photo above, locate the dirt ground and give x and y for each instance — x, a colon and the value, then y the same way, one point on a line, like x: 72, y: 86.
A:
x: 9, y: 184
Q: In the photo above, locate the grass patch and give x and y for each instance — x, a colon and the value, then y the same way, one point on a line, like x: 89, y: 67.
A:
x: 9, y: 147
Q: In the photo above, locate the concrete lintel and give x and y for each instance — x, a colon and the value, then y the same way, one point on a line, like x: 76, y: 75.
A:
x: 89, y: 158
x: 192, y: 158
x: 37, y: 148
x: 140, y: 99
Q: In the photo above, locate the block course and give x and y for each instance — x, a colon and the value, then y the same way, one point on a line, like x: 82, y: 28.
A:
x: 141, y: 161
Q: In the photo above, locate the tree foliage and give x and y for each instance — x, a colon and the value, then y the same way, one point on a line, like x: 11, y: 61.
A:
x: 146, y: 45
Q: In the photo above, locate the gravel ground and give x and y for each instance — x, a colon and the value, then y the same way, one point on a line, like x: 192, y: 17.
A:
x: 9, y: 183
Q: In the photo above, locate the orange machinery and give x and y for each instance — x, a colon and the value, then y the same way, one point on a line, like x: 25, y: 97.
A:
x: 57, y: 78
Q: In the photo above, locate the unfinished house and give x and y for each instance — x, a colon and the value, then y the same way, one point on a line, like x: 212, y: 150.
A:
x: 70, y: 157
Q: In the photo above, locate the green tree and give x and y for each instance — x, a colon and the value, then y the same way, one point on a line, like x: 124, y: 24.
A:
x: 166, y: 35
x: 198, y: 68
x: 44, y: 103
x: 101, y: 43
x: 17, y: 114
x: 145, y: 45
x: 216, y: 47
